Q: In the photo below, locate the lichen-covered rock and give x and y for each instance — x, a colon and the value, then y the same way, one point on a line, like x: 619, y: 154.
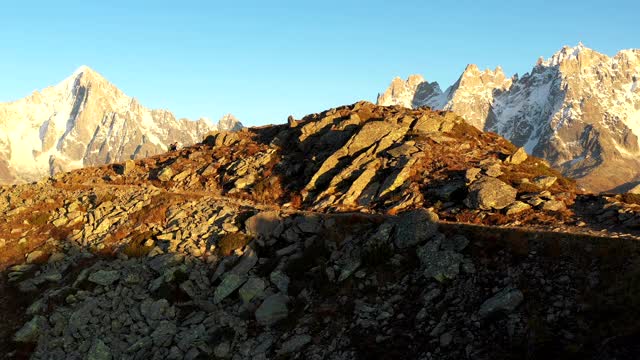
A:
x: 104, y: 277
x: 413, y: 227
x: 490, y: 193
x: 506, y: 300
x: 439, y: 264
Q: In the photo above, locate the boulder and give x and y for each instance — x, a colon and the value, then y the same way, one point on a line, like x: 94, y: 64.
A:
x: 517, y: 207
x: 517, y: 157
x: 490, y: 193
x: 254, y: 287
x: 439, y: 264
x: 505, y: 300
x: 264, y: 224
x: 35, y: 256
x: 553, y: 205
x: 544, y: 181
x: 30, y: 332
x: 272, y: 310
x: 165, y: 174
x: 294, y: 344
x: 414, y: 227
x: 104, y: 277
x: 471, y: 174
x: 228, y: 285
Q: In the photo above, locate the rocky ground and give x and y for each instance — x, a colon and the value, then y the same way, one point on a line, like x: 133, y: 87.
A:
x: 362, y: 232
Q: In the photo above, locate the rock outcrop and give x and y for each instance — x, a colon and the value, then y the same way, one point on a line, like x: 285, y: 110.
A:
x: 250, y: 245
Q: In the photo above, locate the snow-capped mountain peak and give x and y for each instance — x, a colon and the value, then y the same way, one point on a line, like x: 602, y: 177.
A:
x: 229, y: 122
x: 578, y: 109
x: 83, y: 120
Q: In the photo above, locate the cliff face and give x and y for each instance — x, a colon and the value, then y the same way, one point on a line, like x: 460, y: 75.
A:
x: 83, y: 121
x: 579, y: 110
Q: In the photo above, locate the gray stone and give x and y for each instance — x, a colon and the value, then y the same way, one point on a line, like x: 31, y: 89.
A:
x: 414, y: 227
x: 554, y: 205
x: 505, y: 300
x: 192, y: 336
x: 182, y: 175
x: 490, y: 193
x: 471, y: 174
x: 348, y: 266
x: 264, y: 224
x: 142, y: 343
x: 156, y: 310
x: 163, y: 334
x: 222, y: 350
x: 165, y: 174
x: 310, y: 224
x: 247, y: 262
x: 455, y: 243
x: 229, y: 284
x: 494, y: 170
x: 440, y: 265
x: 280, y: 280
x: 445, y: 339
x: 272, y: 310
x: 104, y: 277
x: 99, y: 351
x: 34, y: 256
x: 128, y: 167
x: 254, y: 287
x: 517, y: 157
x: 406, y: 149
x: 544, y: 181
x: 30, y: 332
x: 517, y: 207
x: 294, y: 344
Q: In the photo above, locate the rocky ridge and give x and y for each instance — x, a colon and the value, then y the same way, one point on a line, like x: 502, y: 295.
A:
x: 86, y: 121
x: 578, y: 110
x: 227, y: 249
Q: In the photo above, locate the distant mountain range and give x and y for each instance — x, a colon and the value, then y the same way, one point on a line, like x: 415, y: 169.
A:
x: 86, y: 121
x: 579, y: 110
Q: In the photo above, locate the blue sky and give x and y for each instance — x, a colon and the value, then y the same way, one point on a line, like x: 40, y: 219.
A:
x: 265, y: 60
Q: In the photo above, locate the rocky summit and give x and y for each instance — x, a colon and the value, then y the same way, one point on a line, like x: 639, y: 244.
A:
x: 87, y: 121
x: 578, y: 110
x: 362, y: 232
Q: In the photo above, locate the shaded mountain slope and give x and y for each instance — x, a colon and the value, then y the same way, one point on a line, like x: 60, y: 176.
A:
x: 340, y: 236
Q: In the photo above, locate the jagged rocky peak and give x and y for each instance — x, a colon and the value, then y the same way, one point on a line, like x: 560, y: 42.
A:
x: 474, y: 77
x: 414, y: 92
x: 83, y: 121
x: 578, y: 109
x: 229, y: 122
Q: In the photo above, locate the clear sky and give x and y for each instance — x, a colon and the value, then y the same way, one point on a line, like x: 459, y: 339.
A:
x: 264, y: 60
